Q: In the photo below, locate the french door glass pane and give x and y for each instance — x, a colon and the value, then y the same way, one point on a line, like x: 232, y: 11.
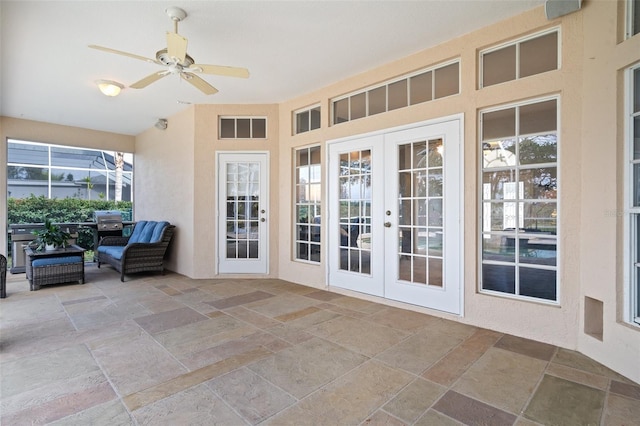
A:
x: 242, y: 210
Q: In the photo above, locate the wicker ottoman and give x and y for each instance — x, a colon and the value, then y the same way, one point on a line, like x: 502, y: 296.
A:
x: 55, y: 270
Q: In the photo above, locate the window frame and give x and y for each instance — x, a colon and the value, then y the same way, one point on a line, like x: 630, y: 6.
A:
x: 308, y: 109
x: 389, y: 82
x: 631, y: 275
x: 235, y: 126
x: 517, y: 42
x: 632, y: 7
x: 296, y: 203
x: 480, y: 233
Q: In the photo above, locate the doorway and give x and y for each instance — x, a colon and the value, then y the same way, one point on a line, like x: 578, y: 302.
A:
x: 395, y: 224
x: 243, y: 180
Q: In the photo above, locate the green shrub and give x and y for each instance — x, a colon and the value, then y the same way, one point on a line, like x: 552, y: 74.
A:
x: 66, y: 210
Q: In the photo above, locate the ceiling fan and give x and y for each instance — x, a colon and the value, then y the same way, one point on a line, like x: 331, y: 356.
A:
x: 176, y: 60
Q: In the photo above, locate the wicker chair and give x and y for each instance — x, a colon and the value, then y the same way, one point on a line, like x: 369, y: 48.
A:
x: 3, y: 276
x: 143, y: 251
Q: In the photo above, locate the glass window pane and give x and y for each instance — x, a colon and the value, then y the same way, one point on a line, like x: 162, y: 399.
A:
x: 27, y: 154
x: 404, y: 157
x: 358, y: 106
x: 259, y: 128
x: 435, y: 182
x: 436, y: 150
x: 539, y: 183
x: 539, y: 250
x: 539, y: 149
x: 71, y: 157
x: 498, y: 248
x: 435, y: 212
x: 420, y: 155
x: 377, y: 100
x: 499, y: 278
x: 499, y: 153
x: 243, y: 128
x: 539, y: 55
x: 303, y: 157
x: 302, y: 122
x: 636, y: 185
x: 499, y: 124
x: 540, y: 283
x: 636, y: 137
x: 227, y: 128
x: 539, y: 117
x: 33, y: 180
x: 499, y: 66
x: 315, y: 155
x: 341, y: 111
x: 636, y: 88
x: 420, y: 87
x: 540, y: 216
x: 315, y: 118
x: 447, y: 80
x: 493, y: 183
x: 398, y: 95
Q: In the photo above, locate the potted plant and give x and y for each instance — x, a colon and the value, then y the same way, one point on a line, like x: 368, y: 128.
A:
x: 50, y: 237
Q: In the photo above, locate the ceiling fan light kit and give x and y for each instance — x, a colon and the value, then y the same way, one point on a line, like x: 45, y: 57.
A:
x: 176, y: 61
x: 109, y: 87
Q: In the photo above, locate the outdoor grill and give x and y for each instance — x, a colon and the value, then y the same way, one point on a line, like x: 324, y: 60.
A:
x: 107, y: 220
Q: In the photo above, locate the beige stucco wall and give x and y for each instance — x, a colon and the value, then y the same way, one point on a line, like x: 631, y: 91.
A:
x: 36, y: 131
x: 589, y: 85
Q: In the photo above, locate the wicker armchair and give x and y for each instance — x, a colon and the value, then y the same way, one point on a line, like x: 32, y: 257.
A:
x: 3, y: 276
x: 143, y: 251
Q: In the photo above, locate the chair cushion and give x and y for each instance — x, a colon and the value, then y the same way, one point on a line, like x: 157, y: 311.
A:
x: 157, y: 231
x: 56, y: 261
x: 137, y: 231
x: 147, y: 232
x: 113, y: 251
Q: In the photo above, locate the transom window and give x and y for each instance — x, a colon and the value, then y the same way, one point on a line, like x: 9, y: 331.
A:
x: 423, y: 86
x: 307, y: 206
x: 633, y: 17
x: 633, y: 198
x: 518, y: 59
x: 520, y: 200
x: 243, y: 128
x: 307, y: 119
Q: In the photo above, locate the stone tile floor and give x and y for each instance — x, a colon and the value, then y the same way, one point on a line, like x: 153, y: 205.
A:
x: 169, y: 350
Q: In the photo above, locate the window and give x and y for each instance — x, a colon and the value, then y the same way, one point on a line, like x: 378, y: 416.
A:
x: 306, y: 120
x: 633, y: 17
x: 519, y: 200
x: 307, y: 205
x: 243, y: 128
x: 633, y: 198
x: 63, y: 172
x: 519, y: 59
x: 423, y: 86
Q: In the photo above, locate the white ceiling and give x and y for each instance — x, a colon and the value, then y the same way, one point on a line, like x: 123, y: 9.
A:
x: 47, y: 72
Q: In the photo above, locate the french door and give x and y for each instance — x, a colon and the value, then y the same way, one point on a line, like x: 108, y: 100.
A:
x: 242, y: 212
x: 395, y: 215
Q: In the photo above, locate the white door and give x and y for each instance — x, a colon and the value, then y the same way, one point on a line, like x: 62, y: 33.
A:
x: 242, y: 212
x: 398, y: 231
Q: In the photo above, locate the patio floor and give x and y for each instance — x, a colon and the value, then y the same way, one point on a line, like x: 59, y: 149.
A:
x: 170, y: 350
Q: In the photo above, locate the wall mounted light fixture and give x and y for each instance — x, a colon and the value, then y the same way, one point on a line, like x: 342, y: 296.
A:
x: 162, y: 124
x: 109, y: 87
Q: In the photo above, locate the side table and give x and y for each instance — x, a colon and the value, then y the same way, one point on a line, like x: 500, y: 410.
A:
x: 57, y: 266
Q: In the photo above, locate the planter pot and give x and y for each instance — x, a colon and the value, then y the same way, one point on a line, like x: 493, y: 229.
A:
x: 50, y: 247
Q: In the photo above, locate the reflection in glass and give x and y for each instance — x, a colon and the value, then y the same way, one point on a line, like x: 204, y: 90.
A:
x: 636, y: 137
x: 493, y: 183
x: 435, y: 272
x: 498, y: 248
x: 499, y: 153
x: 499, y: 278
x: 22, y: 153
x: 636, y: 185
x: 419, y: 155
x: 538, y: 149
x: 540, y: 216
x: 539, y: 183
x: 435, y: 182
x: 435, y: 212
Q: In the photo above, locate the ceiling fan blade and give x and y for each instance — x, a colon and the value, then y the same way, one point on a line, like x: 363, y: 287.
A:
x: 176, y: 46
x: 199, y: 83
x: 119, y: 52
x: 149, y: 79
x: 220, y: 70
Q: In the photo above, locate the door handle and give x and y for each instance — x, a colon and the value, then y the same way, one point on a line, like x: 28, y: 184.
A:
x: 262, y: 219
x: 387, y: 224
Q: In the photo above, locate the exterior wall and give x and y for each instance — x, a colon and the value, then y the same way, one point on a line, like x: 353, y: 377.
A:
x: 164, y: 184
x: 207, y: 143
x: 35, y: 131
x: 590, y: 121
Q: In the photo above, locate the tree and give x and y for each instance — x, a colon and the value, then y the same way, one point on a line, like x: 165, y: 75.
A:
x: 87, y: 179
x: 119, y: 160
